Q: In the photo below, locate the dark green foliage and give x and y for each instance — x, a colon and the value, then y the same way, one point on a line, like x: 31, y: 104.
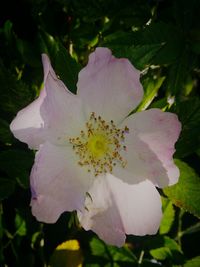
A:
x: 162, y: 39
x: 188, y: 112
x: 68, y: 72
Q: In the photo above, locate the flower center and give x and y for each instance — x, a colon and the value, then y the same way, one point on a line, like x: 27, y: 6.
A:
x: 99, y: 146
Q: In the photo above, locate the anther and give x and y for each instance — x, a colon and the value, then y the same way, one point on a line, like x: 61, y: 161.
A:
x: 99, y: 159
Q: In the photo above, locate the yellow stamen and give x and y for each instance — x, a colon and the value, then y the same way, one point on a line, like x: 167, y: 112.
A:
x: 99, y: 146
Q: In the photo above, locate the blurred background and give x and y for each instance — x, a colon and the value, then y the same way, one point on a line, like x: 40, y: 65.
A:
x: 162, y: 39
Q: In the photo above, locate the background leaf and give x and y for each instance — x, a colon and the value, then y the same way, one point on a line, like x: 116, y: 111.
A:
x: 188, y: 113
x: 67, y: 68
x: 185, y: 193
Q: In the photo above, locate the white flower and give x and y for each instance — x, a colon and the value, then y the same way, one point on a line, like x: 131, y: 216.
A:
x: 94, y: 159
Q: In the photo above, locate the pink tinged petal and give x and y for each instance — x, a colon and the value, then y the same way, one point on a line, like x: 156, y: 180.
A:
x: 109, y: 86
x: 58, y: 184
x: 114, y: 208
x: 28, y: 125
x: 61, y: 111
x: 141, y: 162
x: 150, y: 147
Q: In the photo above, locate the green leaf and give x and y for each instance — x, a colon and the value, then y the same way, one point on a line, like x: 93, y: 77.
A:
x: 161, y: 253
x: 7, y: 187
x: 170, y: 250
x: 5, y: 133
x: 151, y: 87
x: 185, y: 194
x: 121, y: 254
x: 140, y: 55
x: 15, y: 94
x: 176, y: 77
x: 7, y: 29
x: 161, y: 103
x: 67, y: 68
x: 166, y: 34
x: 28, y: 52
x: 98, y: 247
x: 168, y: 216
x: 47, y: 43
x: 119, y: 38
x: 17, y: 164
x: 118, y: 256
x: 191, y: 230
x: 179, y: 72
x: 195, y: 262
x: 189, y: 114
x: 20, y: 225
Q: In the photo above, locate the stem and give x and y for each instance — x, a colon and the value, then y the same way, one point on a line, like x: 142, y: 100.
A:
x: 141, y: 257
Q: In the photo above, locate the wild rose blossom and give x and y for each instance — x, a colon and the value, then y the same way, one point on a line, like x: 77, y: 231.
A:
x: 94, y: 158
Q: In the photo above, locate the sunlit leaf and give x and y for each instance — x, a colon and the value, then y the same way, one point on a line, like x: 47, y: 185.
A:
x: 20, y: 225
x: 185, y: 193
x: 195, y: 262
x: 168, y: 216
x: 170, y: 250
x: 67, y: 254
x: 151, y: 87
x: 47, y: 43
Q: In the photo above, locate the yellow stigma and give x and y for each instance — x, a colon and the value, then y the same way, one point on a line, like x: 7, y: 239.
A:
x: 99, y: 146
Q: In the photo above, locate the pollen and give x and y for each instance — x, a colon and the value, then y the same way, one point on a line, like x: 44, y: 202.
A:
x: 99, y: 146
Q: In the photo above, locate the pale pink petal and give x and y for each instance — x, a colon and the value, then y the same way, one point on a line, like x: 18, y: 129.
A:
x: 141, y: 162
x: 114, y: 208
x: 56, y: 114
x: 58, y: 183
x: 109, y: 86
x: 28, y: 125
x: 150, y: 147
x: 61, y: 111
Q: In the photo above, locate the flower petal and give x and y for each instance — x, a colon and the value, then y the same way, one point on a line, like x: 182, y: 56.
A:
x: 61, y: 111
x: 115, y: 208
x: 109, y: 86
x: 55, y: 114
x: 28, y: 125
x: 150, y: 147
x: 58, y: 183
